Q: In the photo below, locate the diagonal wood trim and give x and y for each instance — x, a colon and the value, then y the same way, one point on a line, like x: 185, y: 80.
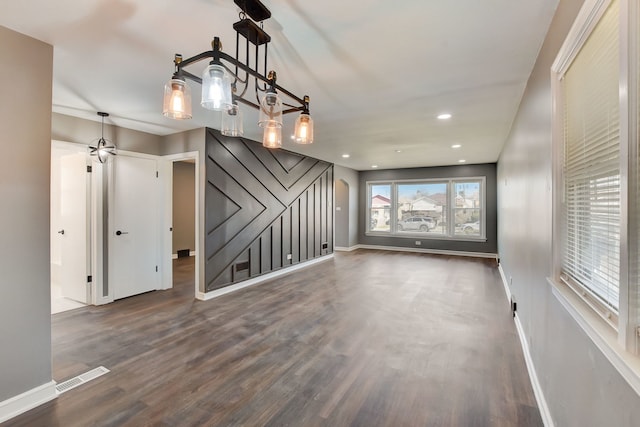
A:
x: 265, y: 209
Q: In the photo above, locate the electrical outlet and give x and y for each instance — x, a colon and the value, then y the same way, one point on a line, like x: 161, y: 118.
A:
x: 289, y: 256
x: 418, y: 243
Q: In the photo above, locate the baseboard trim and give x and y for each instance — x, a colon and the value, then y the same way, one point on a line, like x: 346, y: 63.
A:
x: 346, y: 249
x: 206, y: 296
x: 191, y: 253
x: 28, y: 400
x: 505, y: 283
x: 430, y: 251
x: 545, y: 414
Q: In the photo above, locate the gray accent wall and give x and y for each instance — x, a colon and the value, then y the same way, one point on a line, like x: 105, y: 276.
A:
x: 580, y: 385
x: 25, y: 295
x: 482, y: 170
x: 266, y: 210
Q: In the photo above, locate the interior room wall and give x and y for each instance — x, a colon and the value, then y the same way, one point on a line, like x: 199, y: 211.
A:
x: 184, y: 198
x: 482, y: 170
x: 580, y: 385
x: 350, y: 177
x: 25, y: 296
x: 80, y: 131
x: 266, y: 209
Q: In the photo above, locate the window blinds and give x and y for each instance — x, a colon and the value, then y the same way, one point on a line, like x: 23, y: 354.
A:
x: 592, y: 164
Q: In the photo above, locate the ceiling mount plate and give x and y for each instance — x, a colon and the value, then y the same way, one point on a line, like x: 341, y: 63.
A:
x: 255, y: 9
x: 251, y: 32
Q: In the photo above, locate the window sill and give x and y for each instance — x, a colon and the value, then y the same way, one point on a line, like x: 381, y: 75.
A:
x: 600, y: 332
x: 420, y: 236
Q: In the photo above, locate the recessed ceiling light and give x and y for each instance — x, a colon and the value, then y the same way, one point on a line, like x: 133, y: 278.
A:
x: 374, y: 166
x: 346, y: 156
x: 444, y: 116
x: 456, y: 146
x: 462, y: 161
x: 398, y: 151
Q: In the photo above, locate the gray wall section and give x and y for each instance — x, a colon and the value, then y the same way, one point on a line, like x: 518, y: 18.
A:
x: 80, y: 131
x: 482, y: 170
x: 261, y: 206
x: 580, y: 386
x: 351, y: 178
x: 25, y: 305
x: 184, y: 199
x: 341, y: 189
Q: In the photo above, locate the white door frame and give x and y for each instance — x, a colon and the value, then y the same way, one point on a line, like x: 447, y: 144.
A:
x: 94, y: 246
x: 167, y: 236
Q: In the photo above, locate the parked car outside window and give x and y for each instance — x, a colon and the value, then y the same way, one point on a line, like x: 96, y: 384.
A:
x: 420, y: 223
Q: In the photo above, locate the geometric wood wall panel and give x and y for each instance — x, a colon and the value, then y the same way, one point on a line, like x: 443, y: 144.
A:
x: 265, y: 209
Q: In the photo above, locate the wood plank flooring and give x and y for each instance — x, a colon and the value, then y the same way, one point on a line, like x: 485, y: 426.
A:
x: 369, y: 338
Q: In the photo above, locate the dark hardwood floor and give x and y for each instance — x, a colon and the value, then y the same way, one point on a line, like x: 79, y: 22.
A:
x: 369, y: 338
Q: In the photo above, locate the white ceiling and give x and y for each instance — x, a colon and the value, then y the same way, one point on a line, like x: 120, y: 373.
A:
x: 378, y: 72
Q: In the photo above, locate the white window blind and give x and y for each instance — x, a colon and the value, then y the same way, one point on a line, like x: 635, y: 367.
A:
x: 591, y: 217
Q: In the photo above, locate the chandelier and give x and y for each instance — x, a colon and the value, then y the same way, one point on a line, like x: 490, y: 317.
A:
x: 104, y: 149
x: 226, y: 81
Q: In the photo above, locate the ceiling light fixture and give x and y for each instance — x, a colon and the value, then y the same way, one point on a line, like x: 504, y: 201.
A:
x: 226, y: 81
x: 102, y: 151
x: 444, y: 116
x: 346, y: 156
x: 462, y: 161
x: 456, y: 146
x: 374, y: 166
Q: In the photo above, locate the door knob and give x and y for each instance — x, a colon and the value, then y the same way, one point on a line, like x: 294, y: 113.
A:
x: 121, y: 232
x: 61, y: 232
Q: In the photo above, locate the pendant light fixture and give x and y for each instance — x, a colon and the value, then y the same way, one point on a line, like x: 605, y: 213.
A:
x: 303, y: 131
x: 104, y: 149
x: 226, y: 80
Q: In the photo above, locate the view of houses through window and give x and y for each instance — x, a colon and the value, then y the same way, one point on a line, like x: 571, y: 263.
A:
x: 446, y: 208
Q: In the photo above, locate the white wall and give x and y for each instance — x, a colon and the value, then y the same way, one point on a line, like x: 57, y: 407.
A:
x: 580, y: 386
x: 25, y: 141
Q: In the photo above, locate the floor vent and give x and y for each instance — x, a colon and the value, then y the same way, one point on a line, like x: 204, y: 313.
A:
x: 81, y: 379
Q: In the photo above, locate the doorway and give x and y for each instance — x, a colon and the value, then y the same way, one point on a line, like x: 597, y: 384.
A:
x: 184, y: 221
x: 342, y: 214
x: 70, y: 229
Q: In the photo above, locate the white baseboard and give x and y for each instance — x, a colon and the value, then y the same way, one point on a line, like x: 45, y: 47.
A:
x: 345, y: 249
x: 545, y: 414
x: 505, y: 283
x: 206, y: 296
x: 430, y: 251
x: 21, y: 403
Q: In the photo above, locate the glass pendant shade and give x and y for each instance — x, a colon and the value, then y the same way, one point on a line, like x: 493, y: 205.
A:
x: 270, y: 110
x: 177, y: 100
x: 232, y: 121
x: 216, y: 88
x: 303, y: 131
x: 272, y: 137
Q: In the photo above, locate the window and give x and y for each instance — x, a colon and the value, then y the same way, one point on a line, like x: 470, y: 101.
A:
x: 444, y: 208
x: 596, y: 222
x: 379, y: 207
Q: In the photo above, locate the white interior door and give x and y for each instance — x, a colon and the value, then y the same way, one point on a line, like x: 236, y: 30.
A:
x: 73, y: 228
x: 134, y: 212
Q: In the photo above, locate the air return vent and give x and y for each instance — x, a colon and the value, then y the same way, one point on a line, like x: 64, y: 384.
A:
x: 81, y: 379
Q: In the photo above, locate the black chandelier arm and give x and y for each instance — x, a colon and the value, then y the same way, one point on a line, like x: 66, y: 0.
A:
x: 217, y: 54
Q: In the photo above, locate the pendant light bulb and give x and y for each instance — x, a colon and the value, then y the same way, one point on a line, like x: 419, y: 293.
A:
x: 272, y: 137
x: 177, y: 99
x: 216, y: 88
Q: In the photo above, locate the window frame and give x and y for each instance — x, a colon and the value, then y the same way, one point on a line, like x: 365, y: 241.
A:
x: 450, y: 183
x: 617, y: 338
